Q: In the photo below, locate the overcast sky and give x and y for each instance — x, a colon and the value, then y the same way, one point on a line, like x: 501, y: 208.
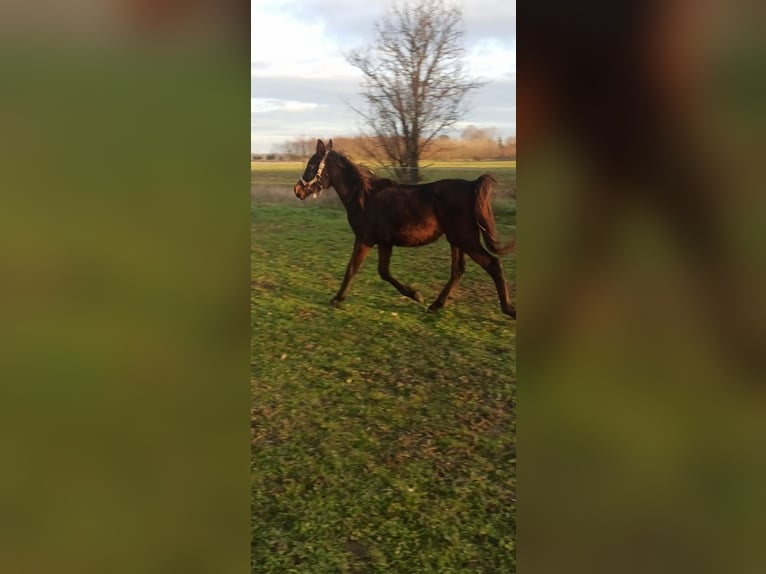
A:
x: 301, y: 84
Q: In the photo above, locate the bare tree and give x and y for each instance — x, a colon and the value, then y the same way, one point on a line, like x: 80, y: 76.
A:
x: 415, y: 84
x: 471, y: 133
x: 297, y: 148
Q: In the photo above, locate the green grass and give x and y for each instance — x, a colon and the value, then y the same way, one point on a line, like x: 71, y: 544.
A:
x: 383, y: 436
x: 287, y: 173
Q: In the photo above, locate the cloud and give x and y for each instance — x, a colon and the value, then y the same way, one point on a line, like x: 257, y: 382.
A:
x: 490, y: 58
x: 301, y: 84
x: 484, y: 19
x: 346, y: 21
x: 316, y: 90
x: 328, y: 113
x: 265, y: 105
x: 283, y: 45
x: 351, y: 21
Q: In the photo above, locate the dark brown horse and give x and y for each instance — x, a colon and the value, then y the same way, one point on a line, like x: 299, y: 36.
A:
x: 385, y: 213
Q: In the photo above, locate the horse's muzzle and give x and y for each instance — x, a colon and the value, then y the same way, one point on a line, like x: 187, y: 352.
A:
x: 303, y: 191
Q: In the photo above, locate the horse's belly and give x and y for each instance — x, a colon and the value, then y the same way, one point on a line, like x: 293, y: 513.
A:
x: 416, y: 235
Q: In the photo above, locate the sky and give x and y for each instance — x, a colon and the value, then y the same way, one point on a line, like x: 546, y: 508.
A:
x: 302, y: 86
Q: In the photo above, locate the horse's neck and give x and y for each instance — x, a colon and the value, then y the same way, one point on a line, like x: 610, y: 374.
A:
x: 345, y: 191
x: 350, y: 202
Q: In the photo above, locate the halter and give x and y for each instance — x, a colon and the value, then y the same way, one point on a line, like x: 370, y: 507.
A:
x: 318, y: 175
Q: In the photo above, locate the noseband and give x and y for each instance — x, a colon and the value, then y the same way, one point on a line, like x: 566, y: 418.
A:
x: 318, y: 176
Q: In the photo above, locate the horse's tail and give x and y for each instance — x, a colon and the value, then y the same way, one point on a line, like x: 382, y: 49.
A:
x: 485, y: 217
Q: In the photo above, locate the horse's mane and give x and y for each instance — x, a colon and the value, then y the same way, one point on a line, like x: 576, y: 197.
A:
x: 361, y: 177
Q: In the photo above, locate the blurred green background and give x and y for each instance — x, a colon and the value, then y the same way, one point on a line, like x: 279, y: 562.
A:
x: 124, y: 281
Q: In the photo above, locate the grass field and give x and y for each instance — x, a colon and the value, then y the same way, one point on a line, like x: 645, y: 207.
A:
x: 383, y: 437
x: 287, y: 172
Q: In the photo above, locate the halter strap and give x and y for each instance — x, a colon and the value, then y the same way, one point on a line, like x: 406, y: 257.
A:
x: 319, y: 172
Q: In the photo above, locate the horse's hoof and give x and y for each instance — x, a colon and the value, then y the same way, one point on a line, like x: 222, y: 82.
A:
x: 433, y: 308
x: 335, y: 302
x: 511, y: 312
x: 417, y: 297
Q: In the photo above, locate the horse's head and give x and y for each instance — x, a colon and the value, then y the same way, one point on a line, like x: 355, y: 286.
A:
x: 315, y: 177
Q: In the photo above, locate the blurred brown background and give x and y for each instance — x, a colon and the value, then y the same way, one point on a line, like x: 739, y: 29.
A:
x: 641, y: 280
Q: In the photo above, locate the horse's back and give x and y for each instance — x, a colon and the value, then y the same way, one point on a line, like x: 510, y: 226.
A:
x: 453, y: 195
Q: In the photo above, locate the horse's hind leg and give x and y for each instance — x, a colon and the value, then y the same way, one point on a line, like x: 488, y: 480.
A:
x: 358, y: 255
x: 458, y: 267
x: 384, y: 260
x: 492, y: 266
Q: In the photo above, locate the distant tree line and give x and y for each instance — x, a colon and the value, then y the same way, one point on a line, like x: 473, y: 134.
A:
x: 473, y: 144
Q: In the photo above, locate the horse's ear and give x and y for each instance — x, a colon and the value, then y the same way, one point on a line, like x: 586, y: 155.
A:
x: 320, y: 147
x: 329, y: 145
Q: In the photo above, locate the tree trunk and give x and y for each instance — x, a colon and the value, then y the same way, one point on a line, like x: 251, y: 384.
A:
x: 411, y: 171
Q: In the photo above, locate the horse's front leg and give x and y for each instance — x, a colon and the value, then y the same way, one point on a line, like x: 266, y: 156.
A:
x: 384, y: 260
x: 357, y: 256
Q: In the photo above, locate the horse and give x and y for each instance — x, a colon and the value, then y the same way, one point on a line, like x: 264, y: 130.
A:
x: 388, y: 214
